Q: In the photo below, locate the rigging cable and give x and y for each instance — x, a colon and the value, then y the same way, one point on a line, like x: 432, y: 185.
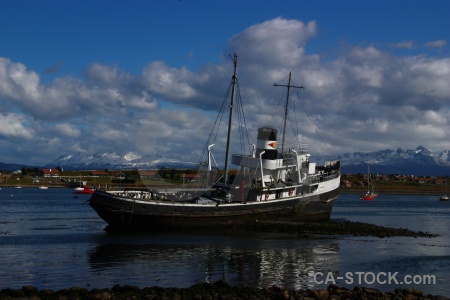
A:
x: 243, y: 130
x: 215, y: 129
x: 295, y: 129
x: 315, y: 128
x: 242, y: 127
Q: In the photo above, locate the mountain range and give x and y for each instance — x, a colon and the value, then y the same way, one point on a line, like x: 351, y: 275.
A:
x: 418, y: 162
x: 115, y: 161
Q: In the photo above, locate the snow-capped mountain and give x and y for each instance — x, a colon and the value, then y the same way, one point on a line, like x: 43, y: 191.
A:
x: 114, y: 160
x: 130, y: 156
x: 418, y: 162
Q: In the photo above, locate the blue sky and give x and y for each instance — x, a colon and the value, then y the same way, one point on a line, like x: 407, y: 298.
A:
x: 147, y: 76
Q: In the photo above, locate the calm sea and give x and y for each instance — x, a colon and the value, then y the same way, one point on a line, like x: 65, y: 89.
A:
x: 51, y: 239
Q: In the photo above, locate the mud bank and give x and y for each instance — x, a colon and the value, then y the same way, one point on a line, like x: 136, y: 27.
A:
x: 334, y: 228
x: 218, y: 290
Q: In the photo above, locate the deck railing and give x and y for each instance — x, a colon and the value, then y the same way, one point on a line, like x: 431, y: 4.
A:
x: 317, y: 178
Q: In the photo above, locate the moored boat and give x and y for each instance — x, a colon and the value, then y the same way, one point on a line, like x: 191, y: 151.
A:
x: 83, y: 190
x: 444, y: 196
x: 75, y: 184
x: 370, y: 194
x: 269, y: 185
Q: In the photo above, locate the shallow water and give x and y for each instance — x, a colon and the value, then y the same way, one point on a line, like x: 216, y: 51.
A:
x: 50, y: 239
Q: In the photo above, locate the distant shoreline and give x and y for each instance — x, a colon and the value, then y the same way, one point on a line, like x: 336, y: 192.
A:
x: 344, y: 191
x: 29, y: 186
x: 395, y: 192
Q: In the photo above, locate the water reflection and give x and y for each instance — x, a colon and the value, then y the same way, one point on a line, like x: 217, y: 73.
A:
x: 240, y: 261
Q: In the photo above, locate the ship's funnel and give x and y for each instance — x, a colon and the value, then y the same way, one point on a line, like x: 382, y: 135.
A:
x: 267, y: 141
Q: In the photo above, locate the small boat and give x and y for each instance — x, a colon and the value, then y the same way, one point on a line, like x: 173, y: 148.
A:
x: 75, y: 184
x: 43, y: 187
x: 17, y: 187
x: 444, y: 196
x: 370, y: 194
x: 270, y: 185
x: 83, y: 190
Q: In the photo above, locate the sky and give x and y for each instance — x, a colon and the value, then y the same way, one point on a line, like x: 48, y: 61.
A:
x: 149, y: 77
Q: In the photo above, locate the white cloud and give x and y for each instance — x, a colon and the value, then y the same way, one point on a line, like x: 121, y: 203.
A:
x: 104, y: 132
x: 437, y: 44
x: 170, y: 82
x: 17, y: 82
x: 110, y: 77
x: 434, y: 118
x: 11, y: 127
x: 66, y: 130
x: 363, y: 100
x: 429, y: 130
x: 278, y: 42
x: 405, y: 45
x: 144, y: 102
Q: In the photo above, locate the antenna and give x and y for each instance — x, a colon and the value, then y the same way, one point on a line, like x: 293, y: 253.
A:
x: 289, y: 86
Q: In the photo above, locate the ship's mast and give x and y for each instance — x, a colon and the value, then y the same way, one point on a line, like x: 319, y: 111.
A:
x: 286, y: 107
x: 230, y: 120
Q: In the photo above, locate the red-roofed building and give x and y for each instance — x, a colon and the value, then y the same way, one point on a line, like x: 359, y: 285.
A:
x: 50, y: 172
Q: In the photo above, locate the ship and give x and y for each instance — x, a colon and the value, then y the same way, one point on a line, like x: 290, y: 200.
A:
x: 267, y: 184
